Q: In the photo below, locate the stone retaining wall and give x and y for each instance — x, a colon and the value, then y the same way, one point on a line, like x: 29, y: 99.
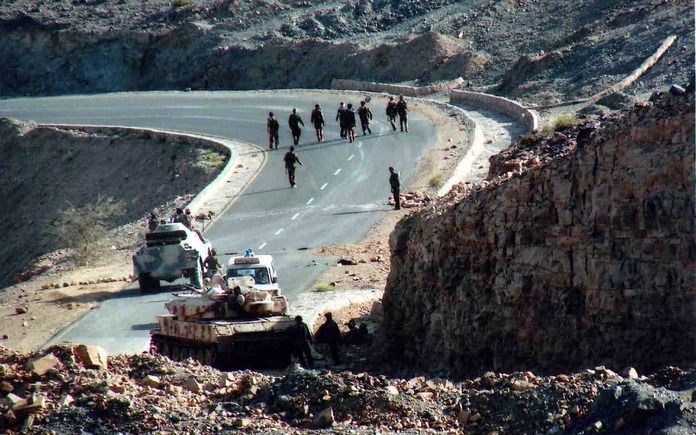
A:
x: 528, y: 117
x: 409, y: 91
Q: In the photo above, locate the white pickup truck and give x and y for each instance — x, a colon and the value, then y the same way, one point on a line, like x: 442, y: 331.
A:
x: 259, y: 267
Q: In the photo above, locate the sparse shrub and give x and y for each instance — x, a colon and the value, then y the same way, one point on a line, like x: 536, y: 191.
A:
x: 528, y: 140
x: 436, y: 181
x: 321, y: 288
x: 180, y: 3
x: 81, y: 228
x: 213, y: 159
x: 563, y: 122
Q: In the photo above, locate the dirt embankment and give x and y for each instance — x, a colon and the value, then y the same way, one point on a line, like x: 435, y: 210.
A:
x: 45, y: 170
x: 540, y: 50
x: 569, y: 257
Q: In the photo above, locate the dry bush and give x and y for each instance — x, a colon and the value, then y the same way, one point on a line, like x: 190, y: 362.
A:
x: 80, y: 229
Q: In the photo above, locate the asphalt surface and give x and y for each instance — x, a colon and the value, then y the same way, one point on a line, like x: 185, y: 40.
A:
x: 342, y: 187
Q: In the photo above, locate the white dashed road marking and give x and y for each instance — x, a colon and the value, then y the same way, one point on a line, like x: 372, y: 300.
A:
x: 323, y: 186
x: 295, y: 216
x: 311, y: 200
x: 351, y: 157
x: 262, y: 246
x: 338, y: 171
x: 279, y: 231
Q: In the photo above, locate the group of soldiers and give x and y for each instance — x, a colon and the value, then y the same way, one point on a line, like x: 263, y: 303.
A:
x: 330, y: 334
x: 346, y: 117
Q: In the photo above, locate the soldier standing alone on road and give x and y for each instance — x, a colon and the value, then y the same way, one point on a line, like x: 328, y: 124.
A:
x: 391, y: 112
x: 329, y: 333
x: 291, y: 160
x: 395, y: 185
x: 402, y: 110
x: 294, y: 121
x: 317, y: 120
x: 339, y: 112
x: 365, y: 115
x: 272, y: 127
x: 302, y: 339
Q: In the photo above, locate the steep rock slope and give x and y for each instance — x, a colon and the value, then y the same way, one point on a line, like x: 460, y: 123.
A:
x: 585, y: 259
x: 550, y: 49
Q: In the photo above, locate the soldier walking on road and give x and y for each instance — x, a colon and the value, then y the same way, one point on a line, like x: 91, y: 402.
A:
x: 402, y: 110
x: 329, y: 333
x: 294, y: 121
x: 272, y: 127
x: 391, y: 112
x: 395, y: 185
x: 348, y: 120
x: 339, y: 117
x: 365, y: 115
x: 302, y: 340
x: 291, y: 160
x: 317, y: 120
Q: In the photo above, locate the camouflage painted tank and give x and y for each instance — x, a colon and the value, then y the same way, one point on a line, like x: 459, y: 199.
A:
x: 170, y: 252
x: 232, y: 324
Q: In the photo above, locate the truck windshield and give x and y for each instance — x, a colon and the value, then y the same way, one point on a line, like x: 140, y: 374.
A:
x: 260, y: 274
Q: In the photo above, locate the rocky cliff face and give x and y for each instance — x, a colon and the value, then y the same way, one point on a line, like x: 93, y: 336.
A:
x: 585, y: 259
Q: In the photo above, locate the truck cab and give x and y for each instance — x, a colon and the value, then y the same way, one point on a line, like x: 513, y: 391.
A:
x: 259, y: 267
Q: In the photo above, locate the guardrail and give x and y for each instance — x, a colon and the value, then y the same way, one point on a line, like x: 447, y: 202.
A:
x: 528, y: 117
x: 409, y: 91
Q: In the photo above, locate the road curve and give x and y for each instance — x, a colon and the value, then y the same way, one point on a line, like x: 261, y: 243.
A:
x: 342, y: 187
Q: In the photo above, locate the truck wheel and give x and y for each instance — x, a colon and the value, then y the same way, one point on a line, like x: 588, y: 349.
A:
x: 145, y: 282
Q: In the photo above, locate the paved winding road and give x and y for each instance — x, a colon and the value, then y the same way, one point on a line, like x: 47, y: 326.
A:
x: 342, y: 187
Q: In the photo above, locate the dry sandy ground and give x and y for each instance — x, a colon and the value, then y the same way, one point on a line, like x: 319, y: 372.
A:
x: 54, y: 301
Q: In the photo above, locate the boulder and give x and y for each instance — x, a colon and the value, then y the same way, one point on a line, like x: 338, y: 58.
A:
x: 193, y: 385
x: 151, y: 381
x: 41, y: 365
x: 91, y: 356
x: 391, y: 390
x: 325, y: 418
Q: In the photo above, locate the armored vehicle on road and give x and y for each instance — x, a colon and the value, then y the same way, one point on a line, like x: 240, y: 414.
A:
x: 234, y: 323
x: 170, y: 252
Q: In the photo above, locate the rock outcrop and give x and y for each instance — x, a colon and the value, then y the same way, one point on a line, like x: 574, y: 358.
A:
x: 587, y: 258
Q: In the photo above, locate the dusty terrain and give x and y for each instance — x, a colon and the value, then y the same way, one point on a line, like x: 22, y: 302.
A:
x: 75, y: 390
x: 536, y: 50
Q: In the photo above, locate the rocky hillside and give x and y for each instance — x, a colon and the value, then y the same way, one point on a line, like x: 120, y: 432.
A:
x: 45, y: 170
x: 79, y: 389
x: 550, y: 49
x: 580, y: 251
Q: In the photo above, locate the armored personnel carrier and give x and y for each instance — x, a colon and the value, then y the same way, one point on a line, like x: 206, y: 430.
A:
x: 231, y: 324
x: 170, y: 252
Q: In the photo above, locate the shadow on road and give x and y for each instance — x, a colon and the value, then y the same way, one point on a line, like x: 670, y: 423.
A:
x: 334, y: 142
x: 264, y: 191
x: 145, y: 326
